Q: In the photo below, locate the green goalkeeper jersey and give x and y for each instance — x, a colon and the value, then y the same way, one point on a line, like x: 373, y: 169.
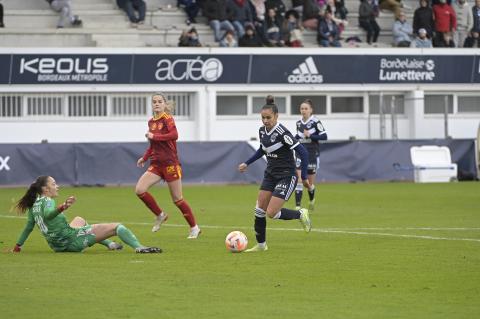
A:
x: 52, y: 224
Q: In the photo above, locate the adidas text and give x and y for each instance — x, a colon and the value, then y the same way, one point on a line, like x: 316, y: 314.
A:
x: 305, y: 78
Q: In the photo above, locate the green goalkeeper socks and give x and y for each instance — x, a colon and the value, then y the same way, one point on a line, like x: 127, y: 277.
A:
x: 127, y: 236
x: 106, y: 242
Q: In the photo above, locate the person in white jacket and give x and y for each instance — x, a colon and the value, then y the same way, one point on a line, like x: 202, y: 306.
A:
x: 464, y: 22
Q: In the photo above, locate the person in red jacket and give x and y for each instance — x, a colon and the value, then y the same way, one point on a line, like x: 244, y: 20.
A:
x: 164, y: 165
x: 445, y: 22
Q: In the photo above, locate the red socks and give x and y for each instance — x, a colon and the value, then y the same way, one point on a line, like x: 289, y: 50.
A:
x: 150, y: 203
x: 187, y: 212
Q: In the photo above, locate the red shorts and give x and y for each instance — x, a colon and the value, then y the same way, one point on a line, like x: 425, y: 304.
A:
x: 168, y: 173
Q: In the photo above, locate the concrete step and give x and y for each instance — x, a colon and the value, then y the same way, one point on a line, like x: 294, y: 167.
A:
x: 45, y: 40
x: 92, y: 6
x: 118, y: 40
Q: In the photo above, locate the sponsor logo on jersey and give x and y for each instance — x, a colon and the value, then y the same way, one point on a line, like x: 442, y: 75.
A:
x: 273, y: 137
x: 171, y: 170
x: 306, y: 72
x: 154, y: 126
x: 288, y: 139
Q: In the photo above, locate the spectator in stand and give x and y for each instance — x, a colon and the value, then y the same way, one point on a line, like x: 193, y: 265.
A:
x: 402, y: 31
x: 216, y: 13
x: 311, y: 13
x: 63, y: 7
x: 421, y: 41
x: 464, y: 16
x: 250, y: 38
x: 229, y: 40
x: 473, y: 41
x: 292, y: 30
x: 277, y: 5
x: 391, y: 5
x: 2, y: 25
x: 239, y: 15
x: 445, y: 22
x: 476, y: 16
x: 191, y: 9
x: 341, y: 23
x: 327, y: 34
x: 340, y: 9
x: 135, y: 10
x: 446, y: 41
x: 258, y: 12
x: 423, y: 18
x: 367, y: 21
x: 272, y: 26
x: 189, y: 39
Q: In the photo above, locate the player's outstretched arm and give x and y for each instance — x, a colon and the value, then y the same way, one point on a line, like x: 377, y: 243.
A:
x: 258, y: 154
x: 52, y: 212
x: 24, y: 235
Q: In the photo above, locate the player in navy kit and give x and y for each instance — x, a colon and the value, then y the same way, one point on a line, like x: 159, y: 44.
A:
x: 309, y: 132
x: 280, y: 178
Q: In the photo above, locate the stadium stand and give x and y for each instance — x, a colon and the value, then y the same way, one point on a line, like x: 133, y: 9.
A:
x: 31, y: 23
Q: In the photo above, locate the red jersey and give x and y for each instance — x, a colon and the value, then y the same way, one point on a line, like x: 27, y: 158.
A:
x: 163, y: 145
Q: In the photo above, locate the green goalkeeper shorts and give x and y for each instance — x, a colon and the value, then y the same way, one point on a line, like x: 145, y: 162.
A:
x: 85, y: 238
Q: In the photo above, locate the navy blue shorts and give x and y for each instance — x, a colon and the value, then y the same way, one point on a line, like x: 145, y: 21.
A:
x: 281, y: 187
x: 312, y: 164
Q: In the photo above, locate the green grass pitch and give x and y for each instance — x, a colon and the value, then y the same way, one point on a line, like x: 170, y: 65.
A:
x: 377, y: 250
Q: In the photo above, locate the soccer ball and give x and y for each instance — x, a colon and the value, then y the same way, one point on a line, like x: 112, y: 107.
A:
x: 236, y: 241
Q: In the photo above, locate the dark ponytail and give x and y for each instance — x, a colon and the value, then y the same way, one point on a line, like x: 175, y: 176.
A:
x: 30, y: 196
x: 270, y: 100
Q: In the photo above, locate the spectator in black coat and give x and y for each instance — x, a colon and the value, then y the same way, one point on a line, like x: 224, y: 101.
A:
x: 367, y: 21
x: 189, y: 39
x: 216, y: 13
x: 276, y: 5
x: 250, y: 38
x: 423, y: 18
x: 328, y: 32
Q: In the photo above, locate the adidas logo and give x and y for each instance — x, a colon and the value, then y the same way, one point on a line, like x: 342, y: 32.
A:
x: 306, y: 72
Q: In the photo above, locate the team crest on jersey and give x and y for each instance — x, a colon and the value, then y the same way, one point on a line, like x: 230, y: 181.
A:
x: 309, y: 125
x: 171, y: 170
x: 273, y: 137
x: 288, y: 140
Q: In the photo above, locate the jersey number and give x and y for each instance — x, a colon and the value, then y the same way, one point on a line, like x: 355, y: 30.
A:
x: 41, y: 224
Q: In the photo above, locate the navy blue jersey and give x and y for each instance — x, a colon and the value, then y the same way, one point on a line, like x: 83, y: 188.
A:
x: 317, y: 132
x: 278, y: 145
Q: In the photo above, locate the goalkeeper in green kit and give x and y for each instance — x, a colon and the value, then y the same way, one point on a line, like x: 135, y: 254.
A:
x: 62, y: 236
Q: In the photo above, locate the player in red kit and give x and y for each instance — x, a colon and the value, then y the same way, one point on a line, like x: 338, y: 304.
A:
x: 164, y: 165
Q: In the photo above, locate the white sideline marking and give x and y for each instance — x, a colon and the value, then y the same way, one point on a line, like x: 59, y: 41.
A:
x: 350, y: 231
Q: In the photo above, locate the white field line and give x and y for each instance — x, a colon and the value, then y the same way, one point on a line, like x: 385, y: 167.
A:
x: 350, y: 231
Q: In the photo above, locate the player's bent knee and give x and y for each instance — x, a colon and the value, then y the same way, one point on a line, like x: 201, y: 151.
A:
x: 271, y: 214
